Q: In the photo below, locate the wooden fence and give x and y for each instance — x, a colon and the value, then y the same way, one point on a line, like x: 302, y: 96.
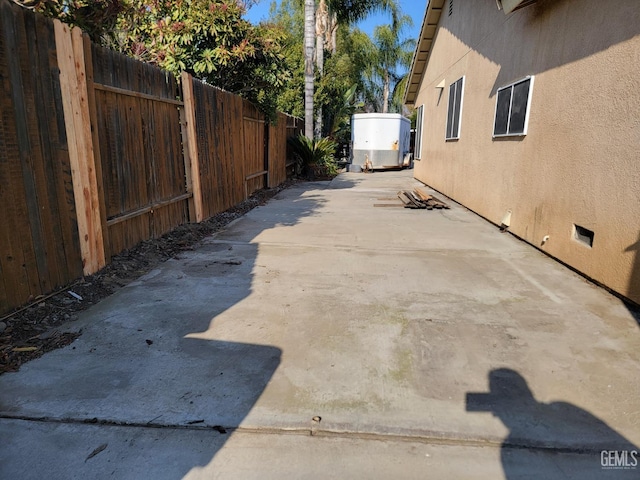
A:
x: 99, y: 152
x: 140, y: 147
x: 39, y: 242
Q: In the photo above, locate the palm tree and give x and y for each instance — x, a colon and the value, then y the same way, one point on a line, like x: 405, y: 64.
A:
x: 309, y: 33
x: 330, y: 14
x: 391, y: 54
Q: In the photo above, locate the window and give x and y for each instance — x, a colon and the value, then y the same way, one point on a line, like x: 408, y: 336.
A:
x: 512, y: 108
x: 417, y: 148
x: 455, y: 109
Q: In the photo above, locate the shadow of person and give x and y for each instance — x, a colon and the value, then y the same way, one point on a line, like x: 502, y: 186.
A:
x: 552, y: 440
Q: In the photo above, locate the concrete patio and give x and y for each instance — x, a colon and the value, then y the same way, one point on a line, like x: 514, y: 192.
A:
x: 322, y: 337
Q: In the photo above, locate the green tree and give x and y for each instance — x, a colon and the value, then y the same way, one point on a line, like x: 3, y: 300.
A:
x: 309, y: 71
x: 98, y: 18
x: 392, y: 57
x: 348, y: 83
x: 288, y: 15
x: 330, y: 14
x: 208, y: 38
x: 211, y: 40
x: 339, y: 91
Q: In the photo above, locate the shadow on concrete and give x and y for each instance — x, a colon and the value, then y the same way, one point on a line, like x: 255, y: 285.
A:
x: 544, y: 437
x: 543, y: 54
x: 634, y: 280
x: 150, y: 356
x: 344, y: 181
x: 238, y: 373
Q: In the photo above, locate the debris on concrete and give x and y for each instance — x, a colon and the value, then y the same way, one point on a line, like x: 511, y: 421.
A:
x: 75, y: 295
x: 416, y: 199
x: 96, y: 451
x: 409, y: 200
x: 429, y: 200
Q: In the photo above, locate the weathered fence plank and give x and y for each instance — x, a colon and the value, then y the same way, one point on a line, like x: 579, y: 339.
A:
x: 39, y: 243
x: 140, y: 142
x: 278, y: 151
x: 18, y: 262
x: 219, y: 139
x: 254, y: 148
x: 95, y: 138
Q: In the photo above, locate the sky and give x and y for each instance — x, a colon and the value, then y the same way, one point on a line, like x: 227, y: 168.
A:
x: 414, y: 8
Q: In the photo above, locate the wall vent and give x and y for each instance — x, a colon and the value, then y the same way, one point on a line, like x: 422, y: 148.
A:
x: 583, y: 235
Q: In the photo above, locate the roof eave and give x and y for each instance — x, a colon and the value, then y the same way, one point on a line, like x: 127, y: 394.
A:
x: 423, y: 49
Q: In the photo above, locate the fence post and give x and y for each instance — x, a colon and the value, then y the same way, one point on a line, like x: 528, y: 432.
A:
x: 190, y: 149
x: 75, y: 100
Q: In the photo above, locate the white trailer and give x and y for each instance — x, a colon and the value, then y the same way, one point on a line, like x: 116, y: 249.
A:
x: 381, y: 138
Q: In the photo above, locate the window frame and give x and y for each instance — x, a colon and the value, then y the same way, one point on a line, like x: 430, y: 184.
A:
x: 458, y: 95
x: 530, y: 79
x: 417, y: 147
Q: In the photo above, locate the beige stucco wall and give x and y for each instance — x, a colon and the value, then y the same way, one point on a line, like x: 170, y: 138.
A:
x: 580, y: 161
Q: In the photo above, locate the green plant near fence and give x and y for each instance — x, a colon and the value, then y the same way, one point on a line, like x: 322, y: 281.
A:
x: 314, y: 157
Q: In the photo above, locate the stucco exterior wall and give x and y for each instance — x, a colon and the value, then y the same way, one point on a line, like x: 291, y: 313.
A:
x: 580, y: 160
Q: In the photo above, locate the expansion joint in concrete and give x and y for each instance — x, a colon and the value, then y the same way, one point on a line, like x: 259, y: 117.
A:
x: 428, y: 438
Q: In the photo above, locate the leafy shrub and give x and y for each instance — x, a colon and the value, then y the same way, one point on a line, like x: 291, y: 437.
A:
x: 314, y: 157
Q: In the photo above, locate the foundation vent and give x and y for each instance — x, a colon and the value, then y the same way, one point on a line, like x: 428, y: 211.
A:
x: 583, y: 235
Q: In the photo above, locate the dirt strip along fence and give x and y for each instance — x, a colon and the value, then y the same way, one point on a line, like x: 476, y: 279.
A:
x: 99, y: 152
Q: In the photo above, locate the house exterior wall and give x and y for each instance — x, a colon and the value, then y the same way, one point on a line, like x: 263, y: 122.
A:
x: 580, y: 160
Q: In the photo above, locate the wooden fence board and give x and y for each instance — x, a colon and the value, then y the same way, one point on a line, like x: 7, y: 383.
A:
x: 140, y: 141
x: 190, y: 149
x: 22, y: 95
x: 39, y: 243
x: 75, y: 98
x: 254, y: 147
x: 15, y: 238
x: 220, y: 137
x: 278, y: 151
x: 236, y: 167
x: 95, y: 140
x: 59, y: 223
